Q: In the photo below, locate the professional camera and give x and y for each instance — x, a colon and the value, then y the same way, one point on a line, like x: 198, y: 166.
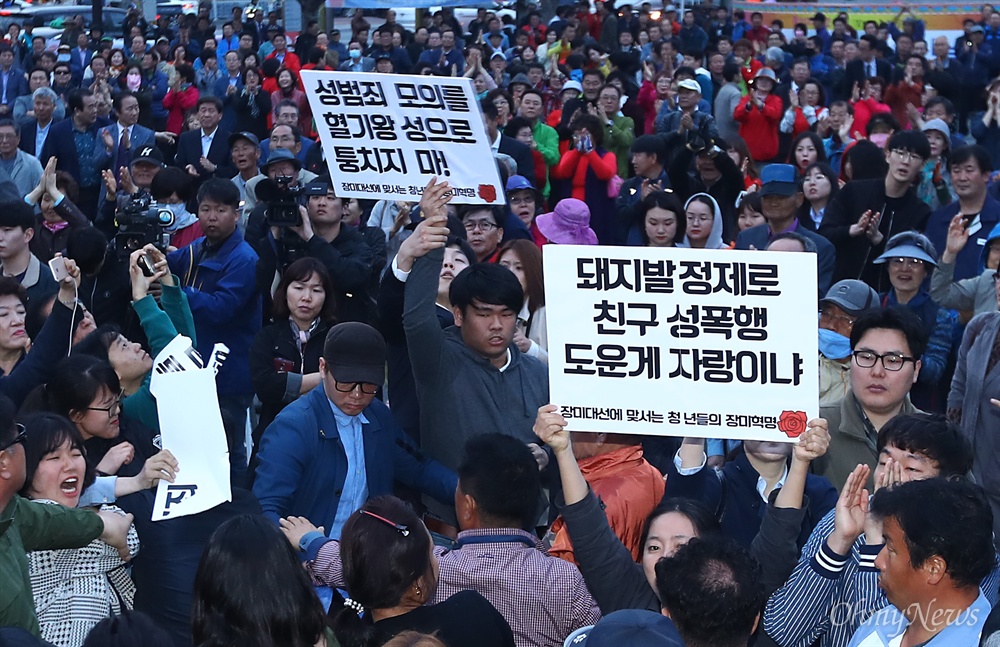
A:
x: 140, y: 224
x: 282, y: 201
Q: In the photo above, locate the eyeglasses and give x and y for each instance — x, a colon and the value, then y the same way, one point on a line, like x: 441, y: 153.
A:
x: 113, y: 409
x: 346, y: 387
x: 906, y: 156
x: 19, y: 439
x: 700, y: 218
x: 826, y: 314
x: 890, y: 361
x: 906, y: 262
x: 480, y: 225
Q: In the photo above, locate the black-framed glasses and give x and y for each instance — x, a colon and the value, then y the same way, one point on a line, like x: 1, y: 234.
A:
x: 890, y: 361
x: 346, y: 387
x: 481, y: 225
x: 113, y: 409
x: 22, y: 435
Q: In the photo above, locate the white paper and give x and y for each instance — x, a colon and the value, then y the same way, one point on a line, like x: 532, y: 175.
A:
x: 191, y: 428
x: 386, y: 135
x: 625, y: 325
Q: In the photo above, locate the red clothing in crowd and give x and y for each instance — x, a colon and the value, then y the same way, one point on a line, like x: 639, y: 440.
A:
x: 759, y: 127
x: 177, y: 105
x: 900, y: 95
x: 749, y: 69
x: 628, y: 486
x: 863, y: 111
x: 290, y: 60
x: 574, y: 165
x: 757, y: 34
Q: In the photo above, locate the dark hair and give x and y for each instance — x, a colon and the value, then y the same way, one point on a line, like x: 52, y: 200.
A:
x: 74, y: 385
x: 945, y: 102
x: 807, y: 244
x: 866, y: 159
x: 185, y: 71
x: 17, y: 214
x: 207, y: 54
x: 97, y: 343
x: 828, y: 172
x: 215, y: 101
x: 593, y: 126
x: 973, y: 152
x: 913, y: 141
x: 490, y: 111
x: 531, y: 263
x: 88, y: 246
x: 286, y: 103
x: 817, y: 143
x: 932, y: 436
x: 46, y: 433
x: 712, y: 589
x: 380, y: 563
x: 501, y: 475
x: 513, y: 126
x: 597, y: 73
x: 534, y: 92
x: 171, y: 180
x: 74, y: 100
x: 662, y: 200
x: 462, y: 244
x: 896, y: 318
x: 301, y: 270
x: 750, y: 201
x: 8, y: 412
x: 247, y: 560
x: 950, y: 518
x: 128, y: 629
x: 11, y: 286
x: 220, y: 191
x: 884, y: 119
x: 116, y: 100
x: 486, y: 283
x: 702, y: 519
x: 730, y: 71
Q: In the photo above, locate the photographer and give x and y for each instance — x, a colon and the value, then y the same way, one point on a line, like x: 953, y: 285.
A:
x: 284, y: 137
x: 280, y: 164
x: 320, y: 234
x: 715, y: 174
x: 129, y: 183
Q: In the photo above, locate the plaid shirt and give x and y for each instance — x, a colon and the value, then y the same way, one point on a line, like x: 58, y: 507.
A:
x: 543, y: 598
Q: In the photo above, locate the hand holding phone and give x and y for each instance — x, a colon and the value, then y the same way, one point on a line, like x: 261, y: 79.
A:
x: 58, y: 268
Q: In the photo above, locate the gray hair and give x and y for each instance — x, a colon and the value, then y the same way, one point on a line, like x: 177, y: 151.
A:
x: 508, y: 161
x: 45, y: 93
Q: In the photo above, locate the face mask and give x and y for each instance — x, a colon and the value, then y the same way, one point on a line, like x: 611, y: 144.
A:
x: 833, y: 345
x: 176, y: 209
x: 62, y: 58
x: 879, y: 139
x: 355, y: 53
x: 133, y: 81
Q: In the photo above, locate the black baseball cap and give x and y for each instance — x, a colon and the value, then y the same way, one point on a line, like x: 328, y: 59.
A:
x: 355, y: 352
x: 150, y: 155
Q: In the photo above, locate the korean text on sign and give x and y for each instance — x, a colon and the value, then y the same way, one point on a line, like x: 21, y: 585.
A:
x: 387, y: 135
x: 681, y: 342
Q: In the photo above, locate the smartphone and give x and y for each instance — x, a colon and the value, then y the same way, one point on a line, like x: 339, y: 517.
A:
x: 145, y: 264
x: 58, y: 268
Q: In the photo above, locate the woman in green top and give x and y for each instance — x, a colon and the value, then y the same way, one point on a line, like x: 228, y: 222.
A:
x: 161, y: 322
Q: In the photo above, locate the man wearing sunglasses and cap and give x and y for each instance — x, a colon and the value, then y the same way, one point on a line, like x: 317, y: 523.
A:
x: 337, y: 446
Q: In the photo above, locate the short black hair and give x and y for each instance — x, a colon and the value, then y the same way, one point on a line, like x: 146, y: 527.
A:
x: 490, y: 110
x: 702, y: 519
x: 8, y: 415
x: 895, y: 318
x: 497, y: 212
x: 88, y: 246
x: 47, y: 432
x: 668, y: 202
x: 215, y: 101
x: 486, y: 283
x: 973, y: 152
x: 116, y: 100
x: 74, y: 99
x: 220, y: 191
x: 712, y: 589
x: 944, y: 102
x: 128, y: 629
x: 950, y: 518
x: 930, y: 435
x: 913, y: 141
x: 171, y: 180
x: 17, y: 214
x: 501, y: 475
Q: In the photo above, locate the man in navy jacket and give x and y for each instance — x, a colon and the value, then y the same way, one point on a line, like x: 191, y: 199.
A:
x: 337, y: 446
x: 218, y: 274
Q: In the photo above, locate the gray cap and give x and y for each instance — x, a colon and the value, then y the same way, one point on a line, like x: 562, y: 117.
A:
x: 521, y: 78
x: 851, y: 296
x: 909, y: 244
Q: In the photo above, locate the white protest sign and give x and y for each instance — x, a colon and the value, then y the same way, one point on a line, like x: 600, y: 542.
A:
x: 682, y: 342
x: 385, y: 136
x: 191, y: 428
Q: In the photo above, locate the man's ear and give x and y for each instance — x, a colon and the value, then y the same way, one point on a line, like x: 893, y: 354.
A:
x: 6, y: 466
x: 322, y: 367
x: 935, y: 569
x: 457, y: 313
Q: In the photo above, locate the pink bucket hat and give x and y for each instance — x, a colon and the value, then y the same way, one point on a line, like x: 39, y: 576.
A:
x: 569, y: 224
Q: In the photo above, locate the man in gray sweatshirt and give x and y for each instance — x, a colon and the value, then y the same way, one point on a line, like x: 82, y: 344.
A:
x: 471, y: 379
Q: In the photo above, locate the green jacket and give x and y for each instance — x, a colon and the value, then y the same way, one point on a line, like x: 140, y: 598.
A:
x: 26, y: 526
x: 160, y: 326
x: 547, y: 140
x: 618, y: 138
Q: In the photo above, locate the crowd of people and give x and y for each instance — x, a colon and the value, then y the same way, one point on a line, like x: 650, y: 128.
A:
x: 399, y: 475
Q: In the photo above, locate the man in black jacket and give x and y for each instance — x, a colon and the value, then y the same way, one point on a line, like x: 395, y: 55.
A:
x: 204, y: 153
x: 519, y: 152
x: 322, y: 235
x: 648, y: 159
x: 866, y: 213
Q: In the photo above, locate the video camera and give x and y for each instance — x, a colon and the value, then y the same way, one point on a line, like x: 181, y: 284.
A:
x: 282, y: 199
x: 139, y: 225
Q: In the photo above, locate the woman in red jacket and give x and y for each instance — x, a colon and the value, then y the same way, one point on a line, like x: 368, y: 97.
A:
x: 584, y: 173
x: 181, y: 97
x: 759, y: 114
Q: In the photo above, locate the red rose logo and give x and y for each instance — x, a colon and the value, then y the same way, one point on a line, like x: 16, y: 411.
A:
x: 792, y: 423
x: 488, y: 192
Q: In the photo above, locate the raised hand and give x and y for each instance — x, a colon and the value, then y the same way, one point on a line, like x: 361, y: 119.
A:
x: 550, y: 427
x: 814, y: 442
x: 958, y: 237
x: 851, y: 511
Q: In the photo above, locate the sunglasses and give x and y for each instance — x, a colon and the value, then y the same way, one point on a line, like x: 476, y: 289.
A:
x: 19, y: 439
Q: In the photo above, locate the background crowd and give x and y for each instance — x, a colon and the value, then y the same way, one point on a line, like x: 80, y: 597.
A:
x: 399, y: 475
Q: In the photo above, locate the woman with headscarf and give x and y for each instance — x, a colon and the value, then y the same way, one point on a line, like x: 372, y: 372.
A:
x: 704, y: 223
